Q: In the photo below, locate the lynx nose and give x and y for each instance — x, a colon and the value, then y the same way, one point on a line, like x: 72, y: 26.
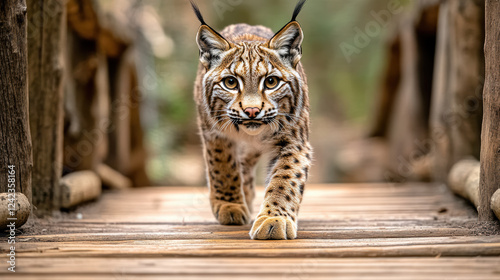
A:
x: 252, y: 112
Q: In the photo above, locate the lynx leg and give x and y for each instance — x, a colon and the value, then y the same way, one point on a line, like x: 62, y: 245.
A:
x: 278, y: 214
x: 224, y: 182
x: 248, y: 160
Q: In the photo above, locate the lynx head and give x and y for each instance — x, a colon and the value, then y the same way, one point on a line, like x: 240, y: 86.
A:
x: 252, y: 81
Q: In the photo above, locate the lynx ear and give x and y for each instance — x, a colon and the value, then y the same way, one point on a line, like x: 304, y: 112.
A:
x: 211, y: 45
x: 288, y: 43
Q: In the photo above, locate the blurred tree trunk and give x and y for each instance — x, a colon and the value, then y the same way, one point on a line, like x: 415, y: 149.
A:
x: 87, y: 90
x: 407, y: 133
x: 456, y: 108
x: 101, y: 102
x: 86, y: 105
x: 15, y: 140
x: 120, y: 89
x: 490, y: 144
x: 440, y: 100
x: 128, y: 155
x: 46, y: 33
x: 390, y: 85
x: 407, y: 126
x: 138, y: 155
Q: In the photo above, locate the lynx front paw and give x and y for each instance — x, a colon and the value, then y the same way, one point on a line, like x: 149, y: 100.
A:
x: 267, y: 227
x: 231, y: 213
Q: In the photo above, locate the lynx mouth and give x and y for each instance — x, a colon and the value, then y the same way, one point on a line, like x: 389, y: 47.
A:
x: 252, y: 127
x: 252, y: 124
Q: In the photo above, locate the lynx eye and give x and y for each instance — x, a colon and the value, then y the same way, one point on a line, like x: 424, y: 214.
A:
x: 230, y: 83
x: 271, y: 82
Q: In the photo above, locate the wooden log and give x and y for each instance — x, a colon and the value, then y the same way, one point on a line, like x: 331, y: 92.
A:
x: 15, y: 139
x: 47, y: 38
x: 464, y: 180
x: 22, y: 209
x: 79, y: 187
x: 495, y: 203
x: 490, y: 137
x: 112, y: 178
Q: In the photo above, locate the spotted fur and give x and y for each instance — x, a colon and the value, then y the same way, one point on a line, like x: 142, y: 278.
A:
x: 238, y: 125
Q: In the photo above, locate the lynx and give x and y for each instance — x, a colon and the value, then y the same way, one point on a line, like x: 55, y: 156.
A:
x: 252, y: 98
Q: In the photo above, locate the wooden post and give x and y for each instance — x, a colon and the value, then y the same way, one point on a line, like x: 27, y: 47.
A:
x: 466, y: 78
x: 128, y: 154
x: 120, y: 91
x: 408, y: 134
x: 455, y: 120
x: 15, y: 140
x: 46, y: 35
x: 440, y: 99
x: 490, y: 137
x: 86, y: 105
x: 407, y: 126
x: 389, y: 88
x: 87, y: 90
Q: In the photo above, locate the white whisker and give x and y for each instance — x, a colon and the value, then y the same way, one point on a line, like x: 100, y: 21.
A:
x: 212, y: 129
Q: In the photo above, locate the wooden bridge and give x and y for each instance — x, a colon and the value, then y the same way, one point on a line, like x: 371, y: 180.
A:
x: 56, y: 153
x: 362, y: 231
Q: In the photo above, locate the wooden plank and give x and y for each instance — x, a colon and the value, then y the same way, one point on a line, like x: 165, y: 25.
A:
x: 459, y: 250
x: 158, y: 233
x: 258, y: 267
x: 252, y: 277
x: 372, y: 247
x: 194, y: 232
x: 355, y: 228
x: 368, y: 201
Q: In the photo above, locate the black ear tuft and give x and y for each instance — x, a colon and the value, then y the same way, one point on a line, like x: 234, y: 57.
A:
x: 298, y: 8
x: 197, y: 12
x: 288, y: 43
x: 210, y: 42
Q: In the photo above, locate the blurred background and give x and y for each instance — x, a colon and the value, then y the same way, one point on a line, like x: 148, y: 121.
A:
x: 344, y: 74
x: 395, y: 86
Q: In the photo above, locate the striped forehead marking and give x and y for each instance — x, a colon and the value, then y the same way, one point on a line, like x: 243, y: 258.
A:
x: 250, y: 62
